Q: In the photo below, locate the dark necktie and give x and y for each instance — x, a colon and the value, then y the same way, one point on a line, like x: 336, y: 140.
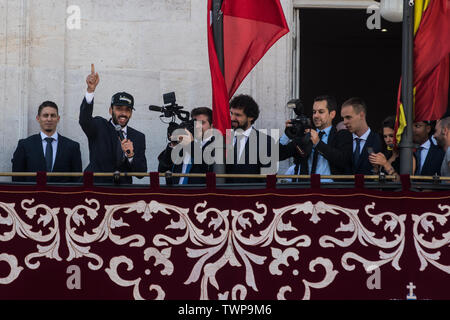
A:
x: 357, y: 152
x: 418, y: 154
x: 316, y: 154
x: 49, y: 154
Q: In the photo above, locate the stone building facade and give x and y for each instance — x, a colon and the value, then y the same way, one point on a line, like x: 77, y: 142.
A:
x: 145, y: 47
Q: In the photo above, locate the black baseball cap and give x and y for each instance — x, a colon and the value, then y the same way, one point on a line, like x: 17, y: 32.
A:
x: 123, y: 99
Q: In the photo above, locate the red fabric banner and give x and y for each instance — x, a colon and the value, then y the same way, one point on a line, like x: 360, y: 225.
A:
x: 250, y: 28
x: 193, y: 244
x: 431, y: 62
x: 220, y: 101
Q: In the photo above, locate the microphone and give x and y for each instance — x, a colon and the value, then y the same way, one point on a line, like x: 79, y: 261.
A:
x: 120, y: 133
x: 156, y: 108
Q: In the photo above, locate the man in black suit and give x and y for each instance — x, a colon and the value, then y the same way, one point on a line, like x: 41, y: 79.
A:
x: 253, y: 151
x: 365, y: 141
x: 331, y: 149
x: 428, y: 156
x: 113, y: 145
x: 196, y: 146
x: 47, y: 151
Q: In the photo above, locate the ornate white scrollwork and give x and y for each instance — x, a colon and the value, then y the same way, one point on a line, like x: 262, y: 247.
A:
x: 428, y: 226
x: 25, y: 230
x: 216, y: 239
x: 15, y: 269
x: 114, y: 275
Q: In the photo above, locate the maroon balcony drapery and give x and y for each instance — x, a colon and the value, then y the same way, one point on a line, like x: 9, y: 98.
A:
x: 269, y: 244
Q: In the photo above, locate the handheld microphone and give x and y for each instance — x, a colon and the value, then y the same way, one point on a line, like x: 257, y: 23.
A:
x: 120, y: 133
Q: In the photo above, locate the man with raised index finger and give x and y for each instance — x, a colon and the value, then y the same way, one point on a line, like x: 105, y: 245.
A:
x: 113, y: 145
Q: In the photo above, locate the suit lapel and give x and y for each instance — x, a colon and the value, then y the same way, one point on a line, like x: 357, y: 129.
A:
x: 37, y: 141
x: 369, y: 143
x: 332, y: 136
x: 429, y: 158
x: 59, y: 151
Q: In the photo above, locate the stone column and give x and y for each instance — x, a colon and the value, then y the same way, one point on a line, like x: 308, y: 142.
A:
x: 14, y: 74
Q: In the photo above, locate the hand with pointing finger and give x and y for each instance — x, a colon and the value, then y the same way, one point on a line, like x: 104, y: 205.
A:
x: 92, y: 80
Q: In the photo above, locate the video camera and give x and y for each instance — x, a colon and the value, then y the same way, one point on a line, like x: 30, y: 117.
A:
x: 172, y: 110
x: 297, y: 131
x: 300, y: 123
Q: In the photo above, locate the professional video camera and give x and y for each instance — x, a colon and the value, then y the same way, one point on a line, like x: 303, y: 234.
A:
x: 300, y: 123
x: 172, y: 110
x: 297, y: 131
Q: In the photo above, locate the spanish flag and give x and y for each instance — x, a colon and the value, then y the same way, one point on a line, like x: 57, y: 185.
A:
x: 431, y: 62
x: 250, y: 28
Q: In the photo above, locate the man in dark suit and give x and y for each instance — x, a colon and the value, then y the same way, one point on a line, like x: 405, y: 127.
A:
x: 428, y: 156
x: 113, y: 145
x: 365, y: 141
x: 202, y: 139
x: 47, y: 151
x: 331, y: 149
x: 253, y: 151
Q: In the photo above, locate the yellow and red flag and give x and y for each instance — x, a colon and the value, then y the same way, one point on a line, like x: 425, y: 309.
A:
x: 431, y: 63
x: 250, y: 28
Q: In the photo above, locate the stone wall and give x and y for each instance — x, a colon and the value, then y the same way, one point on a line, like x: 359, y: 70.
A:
x: 145, y: 47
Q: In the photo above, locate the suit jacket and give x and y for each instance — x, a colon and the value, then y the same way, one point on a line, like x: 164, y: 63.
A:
x: 29, y: 157
x: 433, y: 161
x: 251, y: 163
x: 104, y: 147
x: 337, y: 151
x: 364, y: 166
x: 166, y: 164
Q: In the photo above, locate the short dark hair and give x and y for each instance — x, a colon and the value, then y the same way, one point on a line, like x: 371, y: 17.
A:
x: 44, y: 104
x: 388, y: 122
x: 445, y: 122
x: 331, y: 102
x: 357, y: 104
x: 247, y: 104
x: 205, y: 111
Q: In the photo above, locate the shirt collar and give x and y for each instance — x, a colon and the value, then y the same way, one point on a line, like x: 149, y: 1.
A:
x: 247, y: 132
x: 326, y: 130
x: 204, y: 141
x: 364, y: 136
x: 54, y: 136
x: 426, y: 144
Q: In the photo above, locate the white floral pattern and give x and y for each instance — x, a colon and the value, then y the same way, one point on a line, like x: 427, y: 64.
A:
x: 228, y: 241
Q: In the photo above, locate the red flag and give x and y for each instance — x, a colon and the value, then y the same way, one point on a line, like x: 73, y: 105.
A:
x: 431, y: 62
x: 250, y: 28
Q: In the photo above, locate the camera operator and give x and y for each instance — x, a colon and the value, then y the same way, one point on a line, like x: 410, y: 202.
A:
x: 198, y: 138
x: 326, y: 151
x: 113, y: 145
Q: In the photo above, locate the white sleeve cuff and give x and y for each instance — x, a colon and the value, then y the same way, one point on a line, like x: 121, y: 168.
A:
x: 89, y: 97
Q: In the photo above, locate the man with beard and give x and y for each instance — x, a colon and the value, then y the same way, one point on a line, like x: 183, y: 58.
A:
x: 428, y: 156
x: 47, y: 151
x: 331, y: 149
x: 442, y: 136
x: 254, y: 152
x: 113, y: 145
